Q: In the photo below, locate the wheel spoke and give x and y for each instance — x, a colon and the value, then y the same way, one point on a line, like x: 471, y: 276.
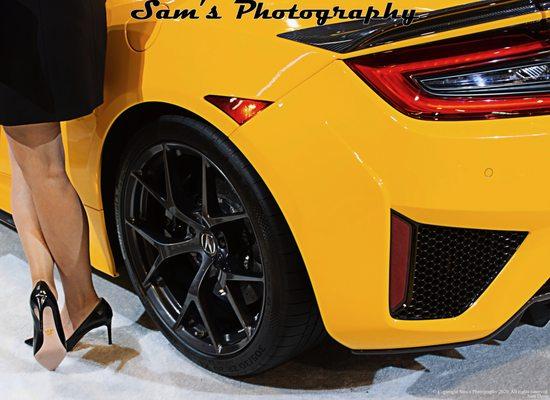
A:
x: 183, y: 311
x: 179, y: 248
x: 204, y: 188
x: 165, y: 248
x: 194, y: 295
x: 213, y: 221
x: 151, y: 237
x: 203, y: 312
x: 194, y: 288
x: 242, y: 278
x: 170, y: 202
x: 186, y: 219
x: 241, y: 315
x: 148, y: 188
x: 208, y: 196
x: 167, y: 177
x: 153, y: 271
x: 208, y: 190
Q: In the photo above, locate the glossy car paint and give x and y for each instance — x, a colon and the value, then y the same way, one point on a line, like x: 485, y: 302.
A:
x: 336, y: 157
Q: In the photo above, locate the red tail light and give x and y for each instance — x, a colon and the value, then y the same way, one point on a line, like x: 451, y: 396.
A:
x: 498, y: 74
x: 241, y: 110
x: 400, y: 256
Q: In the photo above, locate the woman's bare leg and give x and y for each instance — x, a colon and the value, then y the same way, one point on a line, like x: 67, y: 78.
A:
x: 30, y: 234
x: 34, y: 245
x: 38, y: 150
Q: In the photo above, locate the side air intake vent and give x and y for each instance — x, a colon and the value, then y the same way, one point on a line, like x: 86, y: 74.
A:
x: 450, y: 268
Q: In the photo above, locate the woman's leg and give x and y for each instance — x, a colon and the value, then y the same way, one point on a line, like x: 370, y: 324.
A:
x: 38, y: 150
x: 34, y: 245
x: 28, y: 228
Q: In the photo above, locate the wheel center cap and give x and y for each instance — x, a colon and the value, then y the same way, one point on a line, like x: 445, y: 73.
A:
x: 209, y: 244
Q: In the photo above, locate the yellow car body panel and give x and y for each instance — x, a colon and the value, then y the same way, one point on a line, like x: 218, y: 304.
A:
x: 434, y: 173
x: 328, y: 133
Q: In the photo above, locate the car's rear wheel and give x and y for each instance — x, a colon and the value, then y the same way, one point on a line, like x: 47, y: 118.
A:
x: 208, y: 250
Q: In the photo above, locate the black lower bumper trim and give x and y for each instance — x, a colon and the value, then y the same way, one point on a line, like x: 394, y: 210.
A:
x: 536, y: 312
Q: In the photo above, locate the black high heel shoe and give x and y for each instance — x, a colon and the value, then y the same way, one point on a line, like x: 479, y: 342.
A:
x: 49, y: 346
x: 102, y: 315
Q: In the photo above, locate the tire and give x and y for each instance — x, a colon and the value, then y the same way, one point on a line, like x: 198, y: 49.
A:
x: 286, y: 323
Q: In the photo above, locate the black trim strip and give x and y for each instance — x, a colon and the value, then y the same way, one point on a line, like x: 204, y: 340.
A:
x: 352, y: 36
x: 7, y: 220
x: 500, y: 334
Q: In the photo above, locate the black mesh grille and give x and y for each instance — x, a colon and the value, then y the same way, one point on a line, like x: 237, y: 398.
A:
x: 452, y: 267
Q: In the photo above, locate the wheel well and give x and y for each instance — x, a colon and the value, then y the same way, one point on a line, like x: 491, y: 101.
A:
x: 125, y: 127
x: 121, y: 132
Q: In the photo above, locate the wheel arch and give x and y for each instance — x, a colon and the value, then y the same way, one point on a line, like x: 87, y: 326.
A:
x: 124, y: 127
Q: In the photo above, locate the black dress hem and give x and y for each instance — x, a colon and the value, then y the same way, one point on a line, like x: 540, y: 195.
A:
x: 67, y: 116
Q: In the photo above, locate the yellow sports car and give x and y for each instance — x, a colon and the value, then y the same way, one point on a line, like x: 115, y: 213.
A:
x: 278, y: 171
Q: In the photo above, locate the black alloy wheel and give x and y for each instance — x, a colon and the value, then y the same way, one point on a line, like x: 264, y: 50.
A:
x: 203, y: 261
x: 207, y: 250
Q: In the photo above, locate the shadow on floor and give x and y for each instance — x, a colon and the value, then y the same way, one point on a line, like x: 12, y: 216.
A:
x: 332, y: 366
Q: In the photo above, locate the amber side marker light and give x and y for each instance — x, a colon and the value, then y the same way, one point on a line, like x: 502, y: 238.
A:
x: 400, y: 260
x: 241, y: 110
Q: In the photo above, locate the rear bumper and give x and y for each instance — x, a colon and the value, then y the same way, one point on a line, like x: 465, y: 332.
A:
x: 536, y: 312
x: 338, y: 159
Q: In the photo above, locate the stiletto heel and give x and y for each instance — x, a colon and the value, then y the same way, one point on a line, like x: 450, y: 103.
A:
x: 109, y: 335
x: 49, y: 345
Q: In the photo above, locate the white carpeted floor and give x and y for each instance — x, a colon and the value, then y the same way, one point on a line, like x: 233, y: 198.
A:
x: 142, y: 365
